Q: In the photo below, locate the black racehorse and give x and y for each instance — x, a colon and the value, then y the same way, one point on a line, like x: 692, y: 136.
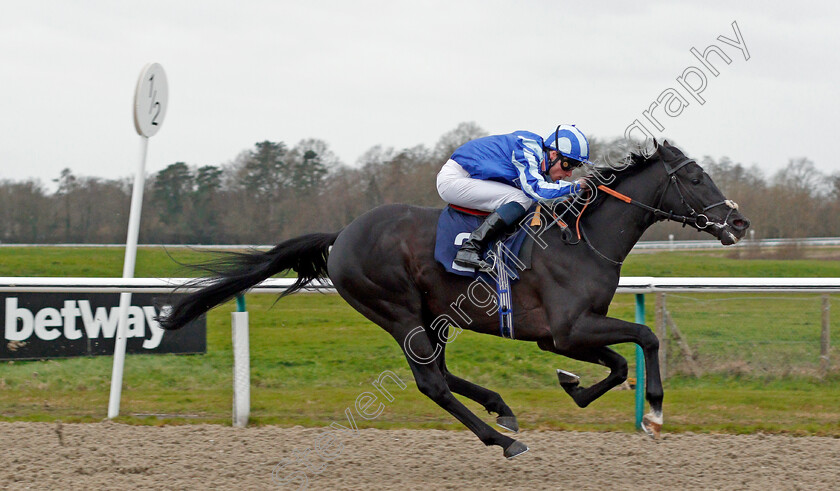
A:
x: 383, y: 265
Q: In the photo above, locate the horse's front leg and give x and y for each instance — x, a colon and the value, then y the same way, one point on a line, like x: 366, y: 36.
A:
x: 570, y: 382
x: 596, y: 331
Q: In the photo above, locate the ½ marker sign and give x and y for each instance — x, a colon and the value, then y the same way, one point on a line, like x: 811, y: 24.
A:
x: 150, y: 100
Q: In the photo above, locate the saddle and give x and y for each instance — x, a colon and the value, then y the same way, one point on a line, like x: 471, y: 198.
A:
x: 509, y: 255
x: 455, y: 226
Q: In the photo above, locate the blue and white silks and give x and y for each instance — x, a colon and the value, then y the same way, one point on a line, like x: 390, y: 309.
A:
x: 513, y: 159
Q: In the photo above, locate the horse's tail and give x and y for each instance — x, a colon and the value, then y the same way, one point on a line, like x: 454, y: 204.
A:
x: 236, y: 272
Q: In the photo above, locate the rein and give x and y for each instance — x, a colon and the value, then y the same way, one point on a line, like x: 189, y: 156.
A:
x: 698, y: 220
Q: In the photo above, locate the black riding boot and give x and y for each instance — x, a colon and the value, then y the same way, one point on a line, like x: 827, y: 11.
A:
x: 469, y: 255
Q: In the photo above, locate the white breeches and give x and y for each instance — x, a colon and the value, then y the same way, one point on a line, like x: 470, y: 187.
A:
x: 455, y: 186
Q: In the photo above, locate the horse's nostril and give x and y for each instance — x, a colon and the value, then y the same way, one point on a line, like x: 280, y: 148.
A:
x: 740, y: 224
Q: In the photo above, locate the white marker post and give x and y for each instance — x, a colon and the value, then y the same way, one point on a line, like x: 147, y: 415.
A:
x: 241, y: 365
x: 151, y: 98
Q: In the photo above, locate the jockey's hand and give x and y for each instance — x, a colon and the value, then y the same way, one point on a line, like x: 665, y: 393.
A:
x: 581, y: 186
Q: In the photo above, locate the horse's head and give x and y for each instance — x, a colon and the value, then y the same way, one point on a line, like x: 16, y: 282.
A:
x: 690, y: 192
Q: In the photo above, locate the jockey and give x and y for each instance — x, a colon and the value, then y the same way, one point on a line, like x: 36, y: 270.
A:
x: 505, y: 175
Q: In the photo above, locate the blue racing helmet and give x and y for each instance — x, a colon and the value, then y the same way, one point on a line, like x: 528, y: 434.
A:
x: 571, y: 143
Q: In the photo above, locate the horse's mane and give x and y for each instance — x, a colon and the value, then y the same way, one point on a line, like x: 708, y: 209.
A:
x: 636, y: 161
x: 622, y: 169
x: 614, y: 173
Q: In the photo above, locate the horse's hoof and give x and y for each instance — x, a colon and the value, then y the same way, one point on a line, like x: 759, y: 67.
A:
x: 567, y: 378
x: 652, y: 425
x: 509, y: 423
x: 514, y: 449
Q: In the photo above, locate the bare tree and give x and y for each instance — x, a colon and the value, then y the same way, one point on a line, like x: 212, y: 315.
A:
x: 451, y: 140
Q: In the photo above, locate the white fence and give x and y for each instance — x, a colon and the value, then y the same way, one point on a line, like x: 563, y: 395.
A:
x: 627, y: 284
x: 640, y: 246
x: 133, y: 285
x: 714, y: 244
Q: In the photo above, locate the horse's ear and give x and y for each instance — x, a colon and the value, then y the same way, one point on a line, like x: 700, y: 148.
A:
x: 655, y: 144
x: 666, y: 144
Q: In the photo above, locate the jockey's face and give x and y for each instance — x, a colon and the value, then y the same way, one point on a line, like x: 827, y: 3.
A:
x: 556, y: 172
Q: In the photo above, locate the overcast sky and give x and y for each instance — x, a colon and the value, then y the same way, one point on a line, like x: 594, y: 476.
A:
x: 361, y: 73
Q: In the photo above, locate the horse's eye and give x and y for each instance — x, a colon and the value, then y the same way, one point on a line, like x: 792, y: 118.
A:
x: 695, y: 181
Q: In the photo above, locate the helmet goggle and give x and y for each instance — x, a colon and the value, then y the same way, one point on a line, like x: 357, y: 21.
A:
x: 566, y: 163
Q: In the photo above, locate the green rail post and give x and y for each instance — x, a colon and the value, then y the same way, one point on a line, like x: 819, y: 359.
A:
x: 240, y: 303
x: 640, y: 363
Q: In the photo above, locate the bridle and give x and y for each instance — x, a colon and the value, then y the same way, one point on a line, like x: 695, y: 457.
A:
x: 700, y: 220
x: 697, y: 220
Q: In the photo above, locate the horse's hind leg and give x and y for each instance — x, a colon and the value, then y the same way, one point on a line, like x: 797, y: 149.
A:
x: 396, y: 307
x: 491, y: 400
x: 430, y: 380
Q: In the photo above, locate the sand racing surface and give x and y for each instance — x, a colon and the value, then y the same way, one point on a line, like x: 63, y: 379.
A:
x: 116, y: 456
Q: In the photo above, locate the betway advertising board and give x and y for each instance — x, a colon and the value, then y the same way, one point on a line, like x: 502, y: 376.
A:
x: 58, y: 325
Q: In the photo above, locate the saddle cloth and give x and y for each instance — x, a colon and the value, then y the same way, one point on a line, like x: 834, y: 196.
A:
x: 454, y: 227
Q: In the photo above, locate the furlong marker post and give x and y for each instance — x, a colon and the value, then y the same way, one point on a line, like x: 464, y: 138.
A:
x: 150, y: 103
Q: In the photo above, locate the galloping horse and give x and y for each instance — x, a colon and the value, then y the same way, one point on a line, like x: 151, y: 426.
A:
x: 383, y: 265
